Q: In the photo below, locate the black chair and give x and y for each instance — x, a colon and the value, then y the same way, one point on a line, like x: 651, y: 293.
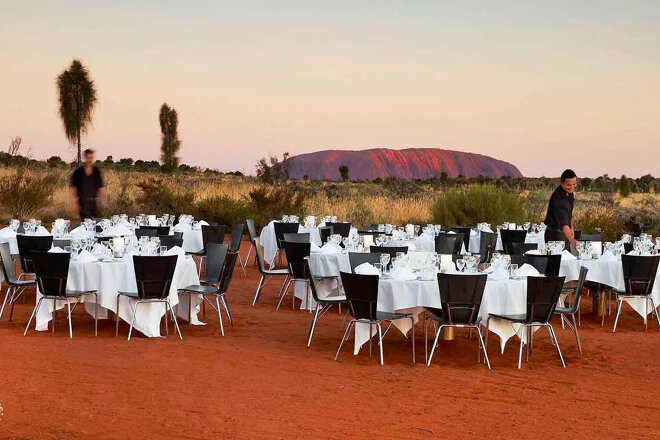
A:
x: 362, y: 296
x: 296, y: 252
x: 542, y: 296
x: 269, y: 273
x: 628, y: 247
x: 170, y: 241
x: 158, y: 230
x: 341, y: 228
x: 547, y: 265
x: 357, y: 258
x: 392, y: 250
x: 176, y: 234
x: 458, y: 244
x: 574, y: 307
x: 460, y: 296
x: 322, y: 304
x: 639, y: 277
x: 52, y: 273
x: 510, y: 236
x: 145, y: 232
x: 521, y: 248
x: 210, y: 234
x: 556, y: 235
x: 325, y: 232
x: 487, y: 243
x: 252, y: 234
x: 235, y: 245
x: 280, y: 230
x: 445, y: 244
x: 219, y: 271
x: 15, y: 287
x: 61, y: 242
x: 466, y: 235
x: 297, y: 237
x: 153, y: 276
x: 26, y: 245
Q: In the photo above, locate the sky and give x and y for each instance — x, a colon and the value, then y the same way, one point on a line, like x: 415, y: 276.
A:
x: 545, y: 85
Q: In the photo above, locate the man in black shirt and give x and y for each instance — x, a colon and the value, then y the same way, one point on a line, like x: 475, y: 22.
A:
x: 86, y: 188
x: 559, y: 218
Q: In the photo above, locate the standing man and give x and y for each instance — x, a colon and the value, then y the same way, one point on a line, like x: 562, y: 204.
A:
x: 559, y: 218
x: 86, y: 188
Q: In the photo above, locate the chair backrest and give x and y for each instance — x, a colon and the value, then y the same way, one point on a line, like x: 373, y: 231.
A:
x: 7, y: 263
x: 153, y: 275
x: 555, y: 235
x: 542, y: 296
x: 260, y: 257
x: 310, y: 277
x: 296, y: 237
x: 170, y: 241
x: 458, y: 244
x: 236, y: 236
x: 466, y: 231
x: 29, y: 243
x: 460, y: 296
x: 547, y: 265
x: 582, y: 278
x: 521, y: 248
x: 158, y: 230
x: 177, y: 234
x: 213, y: 234
x: 392, y: 250
x: 146, y: 232
x: 639, y: 273
x: 52, y: 271
x: 445, y: 244
x: 283, y: 228
x: 510, y: 236
x: 362, y: 294
x: 487, y: 244
x: 215, y: 260
x: 252, y: 229
x: 228, y: 271
x: 61, y: 242
x: 357, y: 258
x: 341, y: 228
x: 325, y: 232
x: 596, y: 236
x: 628, y: 247
x: 295, y: 257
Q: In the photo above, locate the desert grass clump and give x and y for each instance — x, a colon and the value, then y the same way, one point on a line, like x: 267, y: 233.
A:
x: 224, y: 210
x: 483, y: 203
x: 24, y: 192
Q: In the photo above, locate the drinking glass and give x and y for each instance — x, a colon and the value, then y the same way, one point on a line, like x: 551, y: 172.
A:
x: 163, y: 250
x: 460, y: 264
x: 512, y: 270
x: 384, y: 260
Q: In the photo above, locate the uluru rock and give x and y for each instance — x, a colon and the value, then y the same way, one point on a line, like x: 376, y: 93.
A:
x: 411, y: 163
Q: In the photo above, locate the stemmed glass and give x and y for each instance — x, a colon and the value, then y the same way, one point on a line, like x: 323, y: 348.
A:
x: 384, y: 260
x: 460, y: 264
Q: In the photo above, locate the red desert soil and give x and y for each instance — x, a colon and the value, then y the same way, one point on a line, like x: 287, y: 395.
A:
x: 260, y: 382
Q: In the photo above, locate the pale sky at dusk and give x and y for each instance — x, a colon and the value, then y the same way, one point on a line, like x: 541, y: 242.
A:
x: 544, y: 85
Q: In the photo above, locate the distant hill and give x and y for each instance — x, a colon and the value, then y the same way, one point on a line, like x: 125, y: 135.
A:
x: 411, y: 163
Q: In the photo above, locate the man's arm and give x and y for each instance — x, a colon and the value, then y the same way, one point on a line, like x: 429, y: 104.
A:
x: 568, y: 232
x: 74, y: 206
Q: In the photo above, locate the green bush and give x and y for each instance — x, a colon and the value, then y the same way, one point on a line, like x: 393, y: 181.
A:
x: 23, y: 192
x: 223, y: 210
x: 162, y: 198
x: 271, y: 202
x: 484, y: 203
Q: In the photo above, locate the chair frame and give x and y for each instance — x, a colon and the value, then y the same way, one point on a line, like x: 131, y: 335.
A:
x: 629, y: 282
x: 322, y: 304
x: 575, y: 308
x: 15, y: 287
x: 266, y: 274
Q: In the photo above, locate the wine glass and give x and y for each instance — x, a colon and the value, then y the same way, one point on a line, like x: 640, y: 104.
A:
x: 384, y: 260
x: 460, y: 264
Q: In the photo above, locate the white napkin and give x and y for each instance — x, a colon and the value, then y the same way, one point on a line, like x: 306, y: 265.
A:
x: 565, y: 255
x: 202, y: 223
x: 487, y: 229
x: 330, y: 248
x: 86, y: 257
x: 42, y: 231
x: 7, y: 233
x: 473, y: 232
x: 313, y: 247
x: 366, y: 269
x: 79, y: 232
x: 181, y: 227
x: 534, y: 252
x: 498, y: 275
x: 176, y: 250
x: 118, y: 230
x: 633, y: 252
x: 608, y: 256
x: 403, y: 274
x: 368, y: 240
x: 57, y: 250
x: 527, y: 270
x: 398, y: 235
x: 451, y: 232
x: 98, y: 248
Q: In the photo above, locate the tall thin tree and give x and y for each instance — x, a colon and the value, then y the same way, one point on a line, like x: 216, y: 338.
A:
x: 170, y: 143
x: 77, y: 99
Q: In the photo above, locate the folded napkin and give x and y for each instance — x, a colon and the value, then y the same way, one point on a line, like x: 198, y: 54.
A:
x: 633, y: 252
x: 527, y: 270
x: 79, y: 232
x: 607, y: 256
x: 86, y: 257
x: 181, y: 227
x: 473, y: 232
x: 368, y: 240
x: 498, y: 275
x: 118, y: 230
x: 7, y: 233
x: 176, y: 250
x: 398, y: 235
x: 98, y: 249
x: 366, y: 269
x: 330, y: 248
x: 403, y: 274
x: 313, y: 247
x: 57, y: 250
x: 42, y: 231
x: 533, y: 252
x: 451, y: 232
x: 565, y: 255
x: 202, y: 223
x: 485, y: 229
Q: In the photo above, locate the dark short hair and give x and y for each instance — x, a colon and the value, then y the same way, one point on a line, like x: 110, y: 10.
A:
x: 89, y: 151
x: 568, y: 174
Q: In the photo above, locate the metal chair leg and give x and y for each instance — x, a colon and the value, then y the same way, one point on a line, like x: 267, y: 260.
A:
x: 380, y: 340
x: 618, y: 312
x: 4, y: 303
x: 217, y: 303
x: 34, y: 312
x: 130, y: 329
x: 655, y: 311
x: 167, y: 321
x: 68, y: 306
x: 554, y: 336
x: 412, y: 337
x: 483, y: 346
x: 96, y: 314
x: 256, y: 295
x: 520, y: 350
x: 344, y: 338
x: 176, y: 324
x: 435, y: 343
x: 311, y: 328
x: 190, y: 308
x: 577, y: 336
x: 117, y: 318
x: 223, y: 298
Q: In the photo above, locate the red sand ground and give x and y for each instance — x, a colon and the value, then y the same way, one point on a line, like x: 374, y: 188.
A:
x: 261, y: 382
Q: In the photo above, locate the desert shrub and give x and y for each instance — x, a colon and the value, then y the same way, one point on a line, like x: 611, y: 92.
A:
x: 603, y: 215
x: 122, y: 202
x: 224, y: 210
x: 485, y: 203
x: 160, y: 197
x: 270, y: 202
x: 24, y: 192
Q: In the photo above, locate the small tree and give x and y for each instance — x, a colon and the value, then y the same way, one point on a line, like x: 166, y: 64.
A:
x: 624, y: 186
x: 343, y: 170
x: 14, y: 145
x: 271, y: 170
x: 170, y: 143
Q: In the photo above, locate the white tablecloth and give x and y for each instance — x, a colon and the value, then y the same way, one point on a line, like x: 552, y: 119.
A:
x: 108, y: 278
x: 475, y: 242
x: 192, y: 240
x: 417, y: 244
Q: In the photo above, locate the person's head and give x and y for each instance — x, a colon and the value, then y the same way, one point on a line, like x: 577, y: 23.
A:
x: 569, y: 181
x: 89, y: 156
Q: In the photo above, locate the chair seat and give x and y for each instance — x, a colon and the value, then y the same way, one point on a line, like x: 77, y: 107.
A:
x: 563, y: 310
x: 200, y: 289
x: 198, y: 253
x: 277, y: 272
x: 437, y: 317
x: 387, y: 316
x: 22, y: 282
x: 514, y: 318
x: 333, y: 299
x: 72, y: 294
